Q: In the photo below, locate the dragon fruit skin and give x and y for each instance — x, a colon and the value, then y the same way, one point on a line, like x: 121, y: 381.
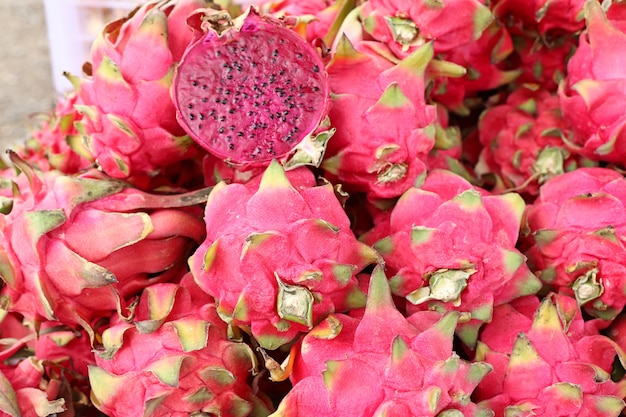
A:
x: 252, y: 90
x: 76, y: 248
x: 593, y: 91
x: 55, y: 143
x: 570, y: 362
x: 27, y: 393
x: 386, y: 128
x: 382, y: 365
x: 128, y: 133
x: 174, y: 360
x: 483, y: 67
x: 288, y: 265
x: 523, y: 142
x: 451, y: 246
x: 574, y: 238
x: 545, y: 17
x: 405, y: 25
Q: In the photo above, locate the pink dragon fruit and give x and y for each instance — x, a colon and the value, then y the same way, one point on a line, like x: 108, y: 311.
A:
x: 76, y: 248
x: 55, y: 143
x: 592, y: 94
x: 250, y: 90
x: 316, y: 19
x: 484, y: 70
x: 385, y: 129
x: 382, y: 365
x: 523, y: 142
x: 279, y: 255
x: 175, y: 360
x: 542, y: 61
x: 575, y: 238
x: 451, y: 246
x: 551, y: 364
x: 26, y: 392
x: 544, y: 17
x: 129, y: 122
x: 405, y: 25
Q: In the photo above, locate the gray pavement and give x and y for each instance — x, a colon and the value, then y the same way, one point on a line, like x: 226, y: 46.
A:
x: 25, y: 75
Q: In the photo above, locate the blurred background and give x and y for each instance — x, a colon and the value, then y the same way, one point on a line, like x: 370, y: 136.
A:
x: 26, y: 84
x: 40, y: 40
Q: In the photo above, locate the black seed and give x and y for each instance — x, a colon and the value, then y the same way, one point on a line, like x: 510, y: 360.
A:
x: 222, y: 118
x: 240, y: 134
x: 231, y: 146
x: 231, y: 127
x: 224, y: 101
x: 227, y: 92
x: 281, y: 41
x: 221, y: 129
x: 229, y: 77
x: 316, y: 68
x: 299, y: 55
x: 250, y: 113
x: 190, y: 106
x: 229, y: 139
x: 201, y: 116
x: 281, y: 72
x: 264, y: 85
x: 283, y: 119
x: 204, y: 99
x: 204, y: 86
x: 272, y: 78
x: 251, y: 135
x: 242, y: 49
x: 316, y: 88
x: 211, y: 112
x: 199, y: 127
x: 192, y: 117
x: 285, y: 112
x: 194, y: 83
x: 225, y: 65
x: 217, y: 100
x: 231, y: 111
x: 275, y: 52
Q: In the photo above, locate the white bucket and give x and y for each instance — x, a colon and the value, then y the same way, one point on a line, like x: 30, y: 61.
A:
x: 72, y: 27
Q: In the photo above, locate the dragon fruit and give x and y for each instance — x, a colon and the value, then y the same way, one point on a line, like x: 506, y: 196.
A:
x: 544, y: 17
x: 55, y: 142
x: 575, y: 238
x: 287, y: 265
x: 523, y: 142
x: 174, y: 360
x: 386, y: 128
x: 592, y: 94
x: 451, y: 246
x: 405, y: 25
x: 483, y: 70
x: 74, y: 248
x: 548, y: 362
x: 27, y: 392
x: 382, y: 365
x: 250, y: 90
x: 129, y: 120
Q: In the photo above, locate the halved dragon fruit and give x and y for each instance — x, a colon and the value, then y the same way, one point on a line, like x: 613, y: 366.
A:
x: 250, y: 90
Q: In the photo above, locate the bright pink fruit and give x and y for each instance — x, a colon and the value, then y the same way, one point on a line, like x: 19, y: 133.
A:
x: 251, y: 90
x: 279, y: 255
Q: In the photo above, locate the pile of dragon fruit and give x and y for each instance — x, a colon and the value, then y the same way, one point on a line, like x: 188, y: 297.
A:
x: 325, y: 208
